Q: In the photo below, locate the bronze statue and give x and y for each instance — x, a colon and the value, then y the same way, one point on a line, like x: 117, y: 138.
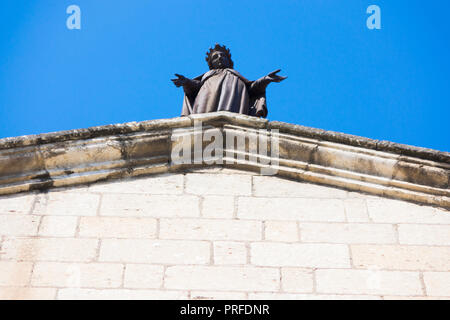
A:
x: 223, y: 89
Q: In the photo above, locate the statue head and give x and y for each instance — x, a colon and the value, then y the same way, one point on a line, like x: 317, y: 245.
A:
x: 219, y: 57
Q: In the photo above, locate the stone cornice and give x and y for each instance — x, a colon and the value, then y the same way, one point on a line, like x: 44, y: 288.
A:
x: 307, y: 154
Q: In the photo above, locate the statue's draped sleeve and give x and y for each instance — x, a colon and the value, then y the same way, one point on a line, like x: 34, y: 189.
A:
x: 257, y: 92
x: 190, y: 95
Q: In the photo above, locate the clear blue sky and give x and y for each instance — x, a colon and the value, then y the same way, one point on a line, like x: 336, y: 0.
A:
x: 390, y: 84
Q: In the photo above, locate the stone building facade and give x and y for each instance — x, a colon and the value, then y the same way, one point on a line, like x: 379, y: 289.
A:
x: 106, y: 213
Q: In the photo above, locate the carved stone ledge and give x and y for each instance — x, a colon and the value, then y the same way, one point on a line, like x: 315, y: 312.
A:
x: 132, y: 149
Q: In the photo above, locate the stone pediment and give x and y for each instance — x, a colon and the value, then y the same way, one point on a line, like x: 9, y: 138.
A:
x: 296, y: 152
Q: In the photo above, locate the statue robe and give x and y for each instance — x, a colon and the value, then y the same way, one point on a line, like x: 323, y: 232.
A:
x: 225, y: 90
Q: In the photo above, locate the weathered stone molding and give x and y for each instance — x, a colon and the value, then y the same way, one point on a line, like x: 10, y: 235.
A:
x: 132, y: 149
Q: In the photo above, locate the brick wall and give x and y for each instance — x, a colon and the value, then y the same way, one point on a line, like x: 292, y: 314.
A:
x: 221, y: 234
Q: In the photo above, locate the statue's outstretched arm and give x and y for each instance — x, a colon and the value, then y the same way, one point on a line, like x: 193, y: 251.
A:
x: 190, y: 86
x: 261, y: 84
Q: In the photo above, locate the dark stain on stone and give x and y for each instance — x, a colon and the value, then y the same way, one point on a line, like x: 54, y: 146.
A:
x: 45, y: 184
x: 45, y: 178
x: 124, y: 147
x: 404, y: 171
x: 42, y: 186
